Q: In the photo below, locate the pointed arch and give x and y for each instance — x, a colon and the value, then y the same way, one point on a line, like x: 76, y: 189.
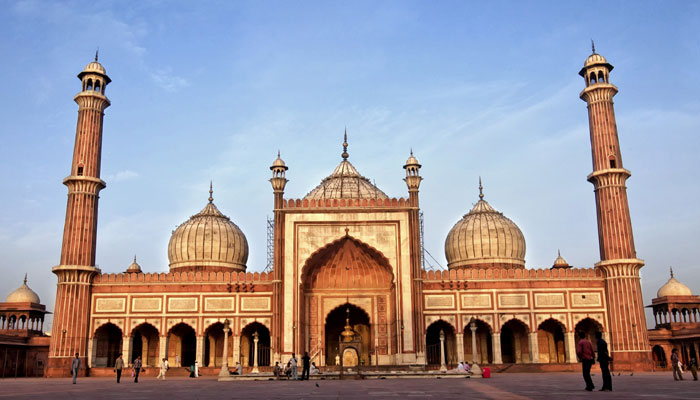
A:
x: 432, y: 343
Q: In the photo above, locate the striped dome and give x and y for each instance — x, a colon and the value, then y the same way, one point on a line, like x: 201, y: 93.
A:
x: 208, y: 241
x: 485, y: 238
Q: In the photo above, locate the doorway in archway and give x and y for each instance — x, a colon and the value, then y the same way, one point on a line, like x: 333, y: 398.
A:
x: 248, y: 345
x: 335, y: 324
x: 432, y: 343
x: 108, y: 342
x: 182, y: 341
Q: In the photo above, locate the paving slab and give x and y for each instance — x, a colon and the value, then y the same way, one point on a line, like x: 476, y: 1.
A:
x: 500, y: 386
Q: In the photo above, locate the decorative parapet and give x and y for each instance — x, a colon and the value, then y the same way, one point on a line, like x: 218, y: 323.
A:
x: 238, y: 278
x: 512, y: 273
x: 344, y: 203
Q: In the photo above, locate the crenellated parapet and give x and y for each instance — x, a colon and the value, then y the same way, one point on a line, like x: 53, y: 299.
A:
x: 463, y: 274
x: 239, y: 278
x: 345, y: 203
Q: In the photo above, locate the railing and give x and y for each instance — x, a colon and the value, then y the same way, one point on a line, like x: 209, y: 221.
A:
x: 432, y: 353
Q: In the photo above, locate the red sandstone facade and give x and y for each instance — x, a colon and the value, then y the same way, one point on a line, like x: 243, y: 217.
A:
x: 347, y: 254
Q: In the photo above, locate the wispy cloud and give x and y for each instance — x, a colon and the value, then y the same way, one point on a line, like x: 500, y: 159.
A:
x: 169, y: 82
x: 121, y: 176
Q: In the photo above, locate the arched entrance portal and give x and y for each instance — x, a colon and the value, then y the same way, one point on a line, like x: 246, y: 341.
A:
x: 248, y: 345
x: 432, y: 341
x: 484, y: 351
x: 550, y: 340
x: 214, y: 346
x: 108, y: 345
x: 335, y: 324
x: 182, y: 342
x: 659, y: 356
x: 348, y: 270
x: 145, y: 343
x: 589, y: 327
x: 514, y: 342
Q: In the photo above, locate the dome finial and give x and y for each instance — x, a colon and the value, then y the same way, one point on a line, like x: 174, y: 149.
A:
x: 345, y: 154
x: 97, y: 53
x: 211, y: 191
x: 134, y: 257
x: 481, y: 190
x: 671, y: 268
x: 278, y: 154
x: 25, y: 278
x: 559, y: 252
x: 593, y: 46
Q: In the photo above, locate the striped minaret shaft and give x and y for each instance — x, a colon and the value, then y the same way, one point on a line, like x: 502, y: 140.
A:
x: 70, y: 332
x: 619, y: 262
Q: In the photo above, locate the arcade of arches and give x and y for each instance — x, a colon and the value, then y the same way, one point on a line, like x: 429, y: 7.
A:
x: 516, y: 343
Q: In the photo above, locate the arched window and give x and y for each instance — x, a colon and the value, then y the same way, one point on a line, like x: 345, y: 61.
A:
x: 89, y: 84
x: 593, y: 80
x: 601, y: 77
x: 97, y: 85
x: 613, y: 163
x: 80, y: 170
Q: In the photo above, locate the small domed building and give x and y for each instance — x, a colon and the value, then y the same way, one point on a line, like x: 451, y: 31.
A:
x: 677, y: 324
x: 346, y: 281
x: 24, y: 347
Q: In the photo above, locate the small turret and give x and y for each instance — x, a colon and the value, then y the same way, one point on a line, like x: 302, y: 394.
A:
x: 279, y: 169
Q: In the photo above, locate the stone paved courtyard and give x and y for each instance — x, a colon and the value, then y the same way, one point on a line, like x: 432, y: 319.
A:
x: 501, y: 386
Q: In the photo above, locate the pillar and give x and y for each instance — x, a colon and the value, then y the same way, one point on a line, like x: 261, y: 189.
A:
x: 224, y: 362
x: 163, y: 350
x: 255, y: 353
x: 534, y: 347
x: 496, y: 347
x: 200, y: 350
x: 127, y: 341
x: 91, y: 352
x: 443, y: 366
x: 475, y: 357
x: 237, y: 348
x: 570, y: 347
x: 460, y: 347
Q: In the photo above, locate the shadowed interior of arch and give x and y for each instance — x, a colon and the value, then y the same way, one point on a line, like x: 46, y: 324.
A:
x: 108, y: 345
x: 335, y: 324
x: 182, y: 342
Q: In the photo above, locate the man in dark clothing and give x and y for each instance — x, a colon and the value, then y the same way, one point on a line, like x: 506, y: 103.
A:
x: 118, y: 366
x: 584, y: 351
x: 306, y: 360
x: 604, y: 360
x: 676, y: 363
x: 137, y: 368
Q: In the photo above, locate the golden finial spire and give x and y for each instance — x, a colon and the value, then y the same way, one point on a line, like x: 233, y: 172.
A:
x: 97, y: 52
x: 278, y: 154
x: 558, y: 253
x: 211, y: 191
x: 671, y: 271
x: 411, y: 151
x: 25, y: 278
x: 134, y: 257
x: 593, y: 46
x: 345, y: 154
x: 481, y: 190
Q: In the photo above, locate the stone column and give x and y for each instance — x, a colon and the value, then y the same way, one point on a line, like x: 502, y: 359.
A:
x: 91, y: 352
x: 255, y: 353
x: 144, y: 351
x: 236, y: 348
x: 570, y: 347
x: 534, y: 348
x: 163, y: 350
x: 224, y: 363
x: 475, y: 357
x: 460, y: 347
x: 496, y: 347
x: 199, y: 357
x: 443, y: 366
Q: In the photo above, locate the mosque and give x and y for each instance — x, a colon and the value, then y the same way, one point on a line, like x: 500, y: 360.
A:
x: 347, y: 282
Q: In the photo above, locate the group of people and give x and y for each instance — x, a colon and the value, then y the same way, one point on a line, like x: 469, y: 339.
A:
x: 678, y: 366
x: 119, y: 366
x: 463, y: 368
x: 584, y: 351
x: 290, y: 370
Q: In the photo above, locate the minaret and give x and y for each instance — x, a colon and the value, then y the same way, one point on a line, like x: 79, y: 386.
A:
x: 70, y: 330
x: 278, y: 181
x: 413, y: 180
x: 629, y: 342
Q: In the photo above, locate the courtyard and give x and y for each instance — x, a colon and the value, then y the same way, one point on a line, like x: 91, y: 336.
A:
x: 501, y: 386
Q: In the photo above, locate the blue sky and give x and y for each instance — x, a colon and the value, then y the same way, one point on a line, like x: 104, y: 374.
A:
x: 211, y: 90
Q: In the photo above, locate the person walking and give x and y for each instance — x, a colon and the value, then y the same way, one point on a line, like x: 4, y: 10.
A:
x: 676, y: 363
x: 306, y: 362
x: 584, y: 351
x: 293, y: 365
x: 196, y: 369
x: 693, y: 367
x: 163, y: 369
x: 75, y: 367
x: 604, y: 361
x: 177, y: 360
x: 118, y: 366
x: 137, y: 368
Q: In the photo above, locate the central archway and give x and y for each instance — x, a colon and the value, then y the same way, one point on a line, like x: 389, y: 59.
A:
x: 348, y: 270
x: 335, y: 324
